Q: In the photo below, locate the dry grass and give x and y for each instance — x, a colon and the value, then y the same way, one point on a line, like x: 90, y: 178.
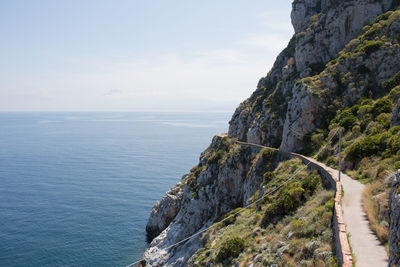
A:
x: 370, y: 206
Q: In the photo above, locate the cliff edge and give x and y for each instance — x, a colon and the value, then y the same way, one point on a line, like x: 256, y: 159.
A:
x: 339, y: 71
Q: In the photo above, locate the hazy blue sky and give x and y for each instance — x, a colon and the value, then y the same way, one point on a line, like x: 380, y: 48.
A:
x: 147, y: 55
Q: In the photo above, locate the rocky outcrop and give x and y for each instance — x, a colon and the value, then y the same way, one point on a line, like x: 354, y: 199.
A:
x: 394, y: 215
x: 336, y: 57
x: 322, y: 29
x: 165, y: 211
x: 304, y: 112
x: 328, y: 27
x: 227, y: 177
x: 396, y: 115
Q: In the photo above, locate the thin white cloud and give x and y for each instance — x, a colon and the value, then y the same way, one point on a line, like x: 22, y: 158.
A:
x: 206, y: 79
x: 216, y: 80
x: 112, y: 92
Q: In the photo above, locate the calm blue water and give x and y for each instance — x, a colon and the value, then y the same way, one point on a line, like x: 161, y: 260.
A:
x: 76, y: 189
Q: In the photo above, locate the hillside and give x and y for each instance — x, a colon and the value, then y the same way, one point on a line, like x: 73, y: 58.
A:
x: 340, y: 71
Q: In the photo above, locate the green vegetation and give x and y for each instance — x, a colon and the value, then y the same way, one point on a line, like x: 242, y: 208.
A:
x: 292, y: 227
x: 371, y: 151
x: 368, y: 47
x: 392, y: 82
x: 371, y: 148
x: 361, y: 105
x: 290, y: 198
x: 230, y: 248
x: 299, y: 236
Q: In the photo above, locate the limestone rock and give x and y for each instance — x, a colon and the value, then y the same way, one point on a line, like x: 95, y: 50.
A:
x: 303, y: 111
x: 164, y: 212
x: 281, y: 111
x: 322, y: 29
x: 218, y: 189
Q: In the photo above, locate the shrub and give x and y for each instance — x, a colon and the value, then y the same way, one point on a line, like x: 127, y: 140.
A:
x: 326, y: 218
x: 382, y: 105
x: 330, y: 204
x: 298, y: 225
x: 292, y: 198
x: 346, y: 119
x: 392, y: 82
x: 394, y: 94
x: 331, y: 161
x: 356, y: 129
x: 369, y: 47
x: 216, y: 157
x: 383, y: 16
x: 384, y: 119
x: 271, y: 212
x: 232, y: 247
x: 192, y: 183
x: 364, y: 109
x: 268, y: 176
x: 196, y: 170
x: 310, y: 183
x: 230, y: 217
x: 366, y: 119
x: 364, y: 148
x: 317, y: 139
x: 394, y: 143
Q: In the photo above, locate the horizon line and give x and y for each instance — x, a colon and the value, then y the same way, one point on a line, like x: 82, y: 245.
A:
x: 108, y: 111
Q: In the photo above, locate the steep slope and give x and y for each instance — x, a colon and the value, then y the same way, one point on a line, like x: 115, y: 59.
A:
x: 265, y: 235
x: 322, y: 29
x: 227, y: 176
x: 230, y: 176
x: 339, y: 71
x: 363, y: 86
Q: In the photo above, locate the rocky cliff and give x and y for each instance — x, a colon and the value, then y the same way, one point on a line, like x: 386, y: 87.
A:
x: 230, y: 176
x: 340, y: 69
x: 226, y: 177
x: 394, y: 214
x: 281, y: 104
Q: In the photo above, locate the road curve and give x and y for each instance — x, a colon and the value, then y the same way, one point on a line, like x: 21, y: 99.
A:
x: 367, y: 249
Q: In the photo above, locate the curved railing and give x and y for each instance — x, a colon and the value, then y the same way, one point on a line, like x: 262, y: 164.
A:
x: 330, y: 181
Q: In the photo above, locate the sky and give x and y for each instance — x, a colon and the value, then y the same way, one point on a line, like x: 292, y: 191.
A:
x: 137, y: 55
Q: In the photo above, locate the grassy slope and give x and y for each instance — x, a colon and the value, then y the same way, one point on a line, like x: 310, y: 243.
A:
x: 290, y: 227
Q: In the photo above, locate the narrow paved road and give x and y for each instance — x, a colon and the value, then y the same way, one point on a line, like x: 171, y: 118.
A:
x: 367, y: 249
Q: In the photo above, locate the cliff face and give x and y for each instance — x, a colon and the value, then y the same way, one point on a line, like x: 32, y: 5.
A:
x: 279, y: 105
x: 227, y: 177
x: 394, y: 214
x: 340, y: 69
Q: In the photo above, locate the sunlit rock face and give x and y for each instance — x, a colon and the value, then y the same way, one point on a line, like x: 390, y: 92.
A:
x: 322, y: 29
x: 291, y: 101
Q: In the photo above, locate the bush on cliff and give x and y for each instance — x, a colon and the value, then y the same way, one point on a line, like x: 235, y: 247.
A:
x: 232, y: 247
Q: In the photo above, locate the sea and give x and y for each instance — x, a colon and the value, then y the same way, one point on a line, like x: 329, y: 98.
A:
x: 77, y: 189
